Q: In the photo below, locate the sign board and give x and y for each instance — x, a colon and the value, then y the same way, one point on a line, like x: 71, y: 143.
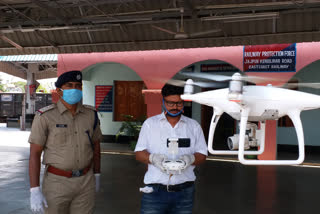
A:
x: 103, y: 98
x: 218, y: 67
x: 6, y: 97
x: 269, y: 58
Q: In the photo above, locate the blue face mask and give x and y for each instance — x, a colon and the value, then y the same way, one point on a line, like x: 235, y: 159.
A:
x: 169, y: 113
x: 72, y: 96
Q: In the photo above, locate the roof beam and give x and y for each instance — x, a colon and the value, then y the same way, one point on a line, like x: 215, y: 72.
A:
x: 98, y: 9
x: 6, y: 39
x: 17, y: 11
x: 189, y: 6
x: 139, y: 17
x: 88, y: 32
x: 262, y: 6
x: 74, y: 28
x: 175, y: 40
x: 51, y: 11
x: 12, y: 69
x: 53, y: 44
x: 124, y: 29
x: 295, y: 3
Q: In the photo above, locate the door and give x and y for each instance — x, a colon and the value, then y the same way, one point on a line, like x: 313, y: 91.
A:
x: 129, y: 100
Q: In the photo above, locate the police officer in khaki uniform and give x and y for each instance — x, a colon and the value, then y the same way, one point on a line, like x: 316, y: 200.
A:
x: 69, y: 135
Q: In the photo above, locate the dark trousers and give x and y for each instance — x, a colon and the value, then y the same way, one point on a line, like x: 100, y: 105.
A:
x: 160, y: 201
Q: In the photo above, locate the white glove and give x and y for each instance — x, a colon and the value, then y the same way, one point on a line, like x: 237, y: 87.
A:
x: 188, y: 159
x: 37, y: 200
x: 97, y: 176
x: 156, y: 160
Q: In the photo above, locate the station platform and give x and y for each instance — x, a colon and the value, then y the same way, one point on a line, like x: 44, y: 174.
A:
x: 223, y: 185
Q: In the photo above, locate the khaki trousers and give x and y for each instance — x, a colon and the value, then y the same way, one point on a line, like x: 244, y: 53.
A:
x: 69, y: 195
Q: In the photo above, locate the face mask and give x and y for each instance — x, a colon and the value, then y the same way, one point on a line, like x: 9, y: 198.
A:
x: 72, y: 96
x: 169, y: 113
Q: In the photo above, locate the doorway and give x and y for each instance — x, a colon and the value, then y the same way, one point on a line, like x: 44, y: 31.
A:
x: 129, y: 100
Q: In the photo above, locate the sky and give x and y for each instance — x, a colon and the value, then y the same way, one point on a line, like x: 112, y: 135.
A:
x: 7, y: 78
x: 47, y: 83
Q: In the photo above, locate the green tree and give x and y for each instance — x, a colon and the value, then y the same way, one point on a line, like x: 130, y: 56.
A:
x: 42, y: 89
x: 20, y: 84
x: 2, y: 88
x: 131, y: 127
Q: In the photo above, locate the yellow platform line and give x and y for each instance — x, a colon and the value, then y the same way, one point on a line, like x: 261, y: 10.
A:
x: 210, y: 158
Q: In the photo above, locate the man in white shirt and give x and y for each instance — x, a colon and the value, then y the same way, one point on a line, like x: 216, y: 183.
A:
x: 167, y: 192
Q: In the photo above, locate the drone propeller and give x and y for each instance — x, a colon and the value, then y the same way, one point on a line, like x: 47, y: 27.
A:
x: 315, y: 85
x: 223, y: 78
x: 208, y: 76
x: 182, y: 83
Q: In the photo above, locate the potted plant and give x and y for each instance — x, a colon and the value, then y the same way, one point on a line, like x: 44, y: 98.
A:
x: 130, y: 127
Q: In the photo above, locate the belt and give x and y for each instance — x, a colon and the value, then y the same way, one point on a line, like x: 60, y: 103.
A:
x: 173, y: 188
x: 68, y: 174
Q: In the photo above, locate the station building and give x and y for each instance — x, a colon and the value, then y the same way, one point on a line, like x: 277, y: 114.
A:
x: 129, y: 83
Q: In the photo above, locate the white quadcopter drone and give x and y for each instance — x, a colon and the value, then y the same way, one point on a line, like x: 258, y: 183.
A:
x: 249, y: 104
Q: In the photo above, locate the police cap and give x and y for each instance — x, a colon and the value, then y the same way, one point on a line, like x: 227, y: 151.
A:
x: 70, y: 76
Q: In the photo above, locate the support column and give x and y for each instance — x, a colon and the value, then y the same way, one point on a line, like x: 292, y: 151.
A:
x: 23, y: 114
x: 270, y: 150
x: 153, y: 100
x: 31, y: 88
x: 266, y: 175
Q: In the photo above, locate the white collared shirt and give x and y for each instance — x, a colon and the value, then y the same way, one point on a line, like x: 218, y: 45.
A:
x: 153, y: 138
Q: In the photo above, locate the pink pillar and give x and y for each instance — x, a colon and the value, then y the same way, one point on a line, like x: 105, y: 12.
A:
x: 266, y: 175
x: 266, y: 189
x: 270, y: 151
x: 153, y: 100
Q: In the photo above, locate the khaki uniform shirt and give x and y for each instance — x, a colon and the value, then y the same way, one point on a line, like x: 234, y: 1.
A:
x: 64, y: 137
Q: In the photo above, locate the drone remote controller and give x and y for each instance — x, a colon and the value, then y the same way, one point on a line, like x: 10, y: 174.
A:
x: 173, y: 166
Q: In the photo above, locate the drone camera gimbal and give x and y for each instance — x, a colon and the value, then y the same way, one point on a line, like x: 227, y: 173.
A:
x: 251, y: 138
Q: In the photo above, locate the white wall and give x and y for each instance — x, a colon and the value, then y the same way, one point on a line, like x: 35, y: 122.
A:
x: 105, y: 74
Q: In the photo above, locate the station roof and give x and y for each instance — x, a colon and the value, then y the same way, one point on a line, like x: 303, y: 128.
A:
x: 34, y: 58
x: 17, y: 65
x: 41, y: 27
x: 80, y: 26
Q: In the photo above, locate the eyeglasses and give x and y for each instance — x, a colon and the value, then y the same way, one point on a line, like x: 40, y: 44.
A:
x: 171, y: 104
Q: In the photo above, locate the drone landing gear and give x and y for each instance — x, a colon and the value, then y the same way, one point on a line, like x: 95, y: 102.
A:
x: 214, y: 121
x: 295, y: 117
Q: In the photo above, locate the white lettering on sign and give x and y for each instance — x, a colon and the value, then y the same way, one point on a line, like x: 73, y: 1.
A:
x: 252, y: 54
